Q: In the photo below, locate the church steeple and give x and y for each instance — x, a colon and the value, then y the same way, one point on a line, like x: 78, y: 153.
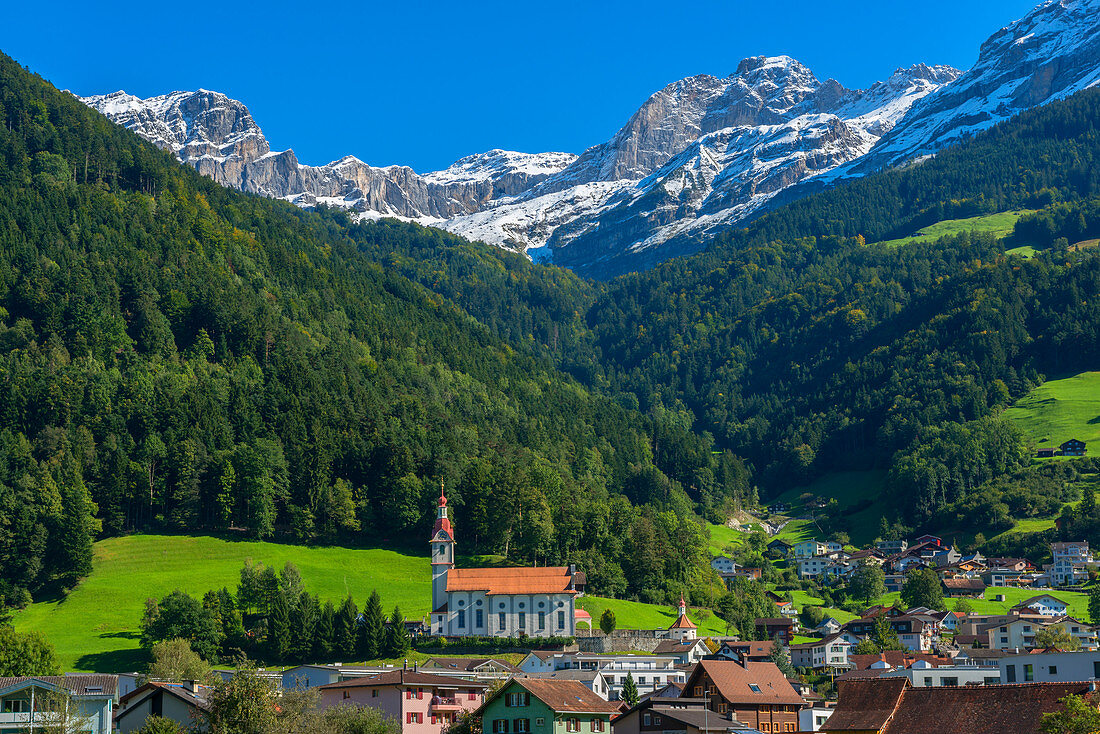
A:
x: 442, y: 552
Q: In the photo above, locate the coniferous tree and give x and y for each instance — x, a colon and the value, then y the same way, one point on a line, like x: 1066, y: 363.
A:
x: 397, y: 639
x: 372, y: 629
x: 345, y: 633
x: 324, y: 638
x: 279, y: 631
x: 304, y: 620
x: 630, y: 691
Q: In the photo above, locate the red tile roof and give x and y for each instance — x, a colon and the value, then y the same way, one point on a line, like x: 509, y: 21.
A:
x: 542, y: 580
x: 866, y: 705
x: 1000, y: 709
x: 733, y: 681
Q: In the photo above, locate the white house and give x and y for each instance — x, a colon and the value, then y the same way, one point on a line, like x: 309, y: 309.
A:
x: 830, y: 653
x: 1020, y: 633
x: 813, y: 717
x: 496, y: 602
x: 922, y: 674
x: 1076, y: 551
x: 1050, y: 667
x: 651, y: 672
x: 1064, y: 572
x: 808, y: 548
x: 1045, y: 604
x: 723, y: 564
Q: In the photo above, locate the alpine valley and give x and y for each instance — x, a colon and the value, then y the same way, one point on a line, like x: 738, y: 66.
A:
x: 700, y: 156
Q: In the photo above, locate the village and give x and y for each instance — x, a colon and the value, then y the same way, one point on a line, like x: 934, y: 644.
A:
x: 889, y: 669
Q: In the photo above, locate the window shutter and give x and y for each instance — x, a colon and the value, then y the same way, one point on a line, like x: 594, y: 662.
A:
x: 526, y: 699
x: 508, y: 699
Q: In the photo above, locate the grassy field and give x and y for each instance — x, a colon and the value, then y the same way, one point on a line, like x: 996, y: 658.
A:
x: 96, y: 627
x: 722, y: 536
x: 1059, y: 410
x: 1000, y: 225
x: 848, y: 489
x: 636, y: 615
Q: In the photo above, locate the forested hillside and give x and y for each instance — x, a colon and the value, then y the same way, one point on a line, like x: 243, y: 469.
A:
x: 177, y: 355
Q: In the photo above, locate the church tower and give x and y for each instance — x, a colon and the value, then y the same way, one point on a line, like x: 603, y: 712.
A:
x: 443, y: 552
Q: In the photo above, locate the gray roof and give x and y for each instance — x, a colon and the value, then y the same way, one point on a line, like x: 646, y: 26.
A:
x: 80, y: 685
x: 578, y: 675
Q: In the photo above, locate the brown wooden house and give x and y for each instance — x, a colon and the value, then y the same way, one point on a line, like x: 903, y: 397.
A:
x: 755, y: 694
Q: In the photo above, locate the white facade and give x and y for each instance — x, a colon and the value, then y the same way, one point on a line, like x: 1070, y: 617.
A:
x: 808, y: 548
x: 1050, y: 667
x: 811, y: 719
x: 723, y: 564
x: 923, y: 675
x: 1020, y: 633
x: 651, y: 672
x: 1047, y: 605
x: 830, y: 653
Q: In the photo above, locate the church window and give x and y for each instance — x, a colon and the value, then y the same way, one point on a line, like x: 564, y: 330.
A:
x: 522, y: 605
x: 561, y: 620
x: 462, y: 619
x: 501, y: 619
x: 522, y: 621
x: 542, y: 620
x: 477, y: 603
x: 542, y: 604
x: 479, y: 618
x: 461, y: 603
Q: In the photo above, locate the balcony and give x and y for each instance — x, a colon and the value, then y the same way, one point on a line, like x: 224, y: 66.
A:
x: 444, y: 703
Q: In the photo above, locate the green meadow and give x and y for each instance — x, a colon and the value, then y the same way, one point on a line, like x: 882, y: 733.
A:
x: 999, y: 225
x: 1059, y: 410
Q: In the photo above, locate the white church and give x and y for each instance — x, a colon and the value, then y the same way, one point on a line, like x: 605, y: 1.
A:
x: 496, y: 602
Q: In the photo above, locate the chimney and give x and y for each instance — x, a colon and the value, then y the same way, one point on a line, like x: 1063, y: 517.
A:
x: 416, y: 664
x: 191, y: 685
x: 405, y: 664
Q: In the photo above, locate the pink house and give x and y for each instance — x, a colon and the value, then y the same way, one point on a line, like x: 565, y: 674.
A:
x: 424, y: 703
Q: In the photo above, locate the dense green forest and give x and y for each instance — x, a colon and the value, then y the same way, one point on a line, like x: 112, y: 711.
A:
x: 176, y: 355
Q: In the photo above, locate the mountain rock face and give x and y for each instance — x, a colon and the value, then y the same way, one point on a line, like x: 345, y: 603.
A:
x: 703, y: 154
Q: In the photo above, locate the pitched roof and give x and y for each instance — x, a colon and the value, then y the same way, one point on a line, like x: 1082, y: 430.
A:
x: 564, y: 696
x: 541, y: 580
x: 964, y: 584
x: 1000, y: 709
x: 682, y: 622
x: 80, y: 685
x: 470, y: 664
x: 733, y: 681
x: 567, y: 674
x: 198, y: 698
x: 405, y: 678
x: 1028, y: 602
x: 897, y: 659
x: 673, y: 647
x: 750, y: 648
x: 866, y: 705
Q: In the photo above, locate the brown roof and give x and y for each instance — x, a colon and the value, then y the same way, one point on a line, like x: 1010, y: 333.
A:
x: 866, y: 705
x: 80, y: 685
x: 541, y: 580
x: 750, y: 648
x: 964, y: 584
x: 733, y: 681
x: 565, y: 696
x: 673, y: 647
x: 774, y: 622
x: 682, y: 622
x: 469, y: 664
x: 405, y: 678
x: 1000, y: 709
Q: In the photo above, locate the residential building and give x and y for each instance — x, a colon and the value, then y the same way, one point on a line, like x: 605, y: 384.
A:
x: 535, y: 706
x: 964, y: 587
x: 723, y: 564
x: 1073, y: 447
x: 686, y: 651
x: 482, y: 669
x: 812, y: 718
x: 1075, y: 551
x: 593, y: 680
x: 423, y: 703
x: 892, y: 546
x: 831, y: 546
x: 1064, y: 572
x: 925, y: 674
x: 497, y: 602
x: 830, y: 653
x: 183, y: 703
x: 893, y: 706
x: 751, y: 651
x: 1044, y: 604
x: 808, y: 549
x: 828, y: 626
x: 928, y: 539
x: 781, y: 547
x: 83, y: 703
x: 1020, y: 633
x: 650, y: 672
x: 1050, y: 667
x: 756, y: 694
x: 777, y: 628
x: 679, y: 715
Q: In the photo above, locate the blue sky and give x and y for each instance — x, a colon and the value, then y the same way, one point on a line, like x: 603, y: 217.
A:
x: 423, y: 83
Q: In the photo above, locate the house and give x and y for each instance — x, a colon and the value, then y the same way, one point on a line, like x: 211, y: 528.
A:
x: 483, y: 669
x: 672, y: 690
x: 1044, y: 604
x: 679, y: 715
x: 781, y: 547
x: 963, y: 587
x: 183, y: 703
x: 1020, y: 632
x: 650, y: 672
x: 1064, y: 572
x: 828, y: 626
x: 750, y: 651
x: 946, y: 557
x: 891, y: 547
x: 423, y: 703
x: 496, y: 602
x: 1045, y: 453
x: 928, y: 539
x: 686, y: 652
x: 812, y: 718
x: 593, y: 680
x: 808, y: 549
x: 1076, y: 551
x: 723, y: 564
x: 831, y: 546
x: 755, y: 694
x: 1073, y: 447
x: 925, y: 674
x: 83, y: 703
x: 536, y: 706
x: 776, y: 628
x: 1050, y: 667
x: 830, y: 653
x: 893, y: 706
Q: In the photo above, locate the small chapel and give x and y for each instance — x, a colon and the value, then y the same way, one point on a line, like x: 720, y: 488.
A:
x: 496, y: 602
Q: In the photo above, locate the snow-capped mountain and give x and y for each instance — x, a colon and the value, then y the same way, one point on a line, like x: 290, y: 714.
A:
x: 702, y: 154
